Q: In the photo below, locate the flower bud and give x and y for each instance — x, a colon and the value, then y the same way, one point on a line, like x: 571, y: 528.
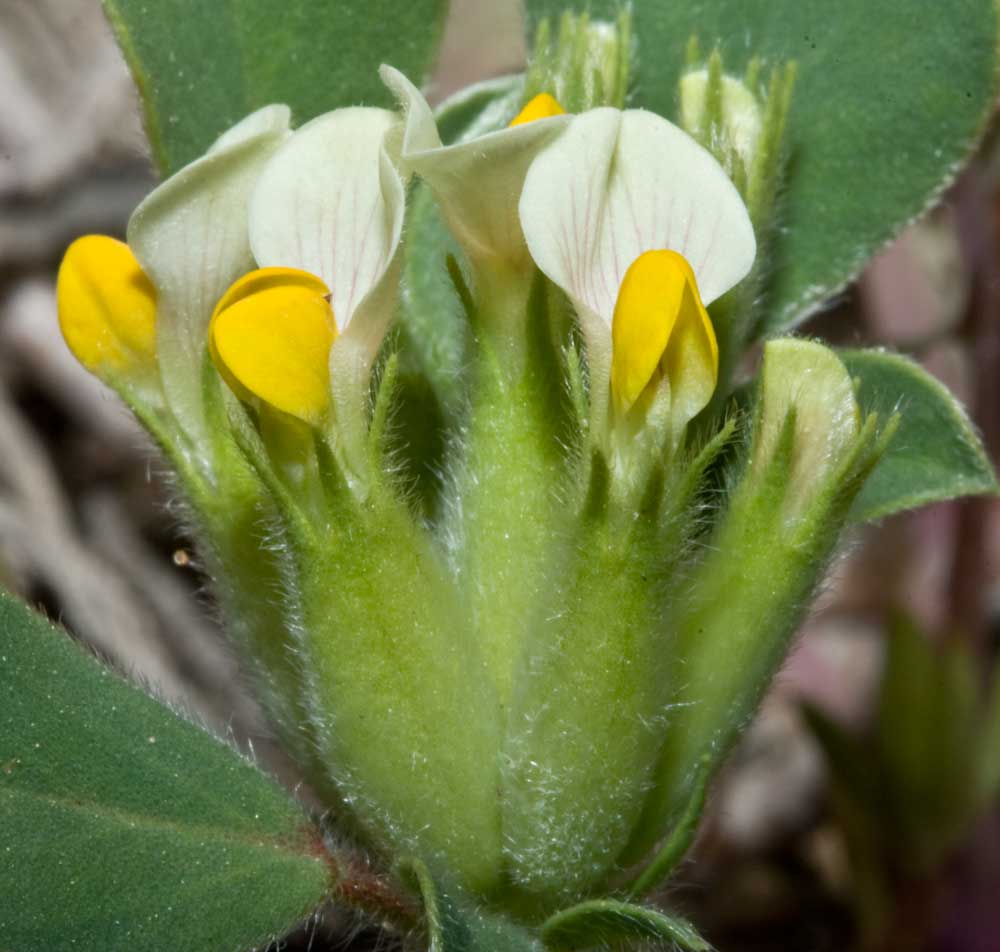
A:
x: 107, y: 308
x: 722, y: 112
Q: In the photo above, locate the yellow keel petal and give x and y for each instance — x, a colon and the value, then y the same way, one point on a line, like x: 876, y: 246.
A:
x: 260, y: 280
x: 660, y: 323
x: 264, y: 279
x: 271, y: 335
x: 542, y: 106
x: 691, y: 362
x: 107, y: 305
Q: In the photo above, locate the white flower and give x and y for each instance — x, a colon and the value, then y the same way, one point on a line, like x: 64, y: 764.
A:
x: 477, y: 183
x: 613, y: 188
x: 190, y: 237
x: 331, y: 202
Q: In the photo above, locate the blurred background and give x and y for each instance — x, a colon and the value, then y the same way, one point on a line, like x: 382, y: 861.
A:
x: 859, y: 811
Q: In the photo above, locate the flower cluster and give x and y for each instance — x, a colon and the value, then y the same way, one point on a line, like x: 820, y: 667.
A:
x: 521, y: 686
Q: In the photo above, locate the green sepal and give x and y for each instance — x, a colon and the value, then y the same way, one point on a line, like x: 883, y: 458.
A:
x: 576, y: 385
x: 167, y: 435
x: 385, y: 395
x: 396, y: 691
x: 125, y: 826
x: 603, y: 923
x: 407, y: 439
x: 513, y: 462
x: 253, y: 533
x: 582, y: 64
x: 247, y: 438
x: 250, y: 471
x: 592, y: 676
x: 808, y: 458
x: 456, y: 925
x: 935, y: 455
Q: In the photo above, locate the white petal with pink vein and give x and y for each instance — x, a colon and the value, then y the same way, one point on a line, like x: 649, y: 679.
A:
x: 331, y: 202
x: 616, y: 184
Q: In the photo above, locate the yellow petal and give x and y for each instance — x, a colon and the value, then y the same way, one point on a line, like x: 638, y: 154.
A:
x: 265, y: 278
x: 660, y: 322
x: 691, y: 362
x: 107, y: 305
x: 260, y: 280
x: 542, y: 106
x: 270, y: 337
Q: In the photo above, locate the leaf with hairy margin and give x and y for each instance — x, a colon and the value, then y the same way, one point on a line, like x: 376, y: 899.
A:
x: 601, y: 922
x: 457, y: 925
x: 123, y: 826
x: 935, y: 453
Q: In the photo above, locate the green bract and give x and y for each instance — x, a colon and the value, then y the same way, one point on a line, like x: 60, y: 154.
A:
x: 510, y: 580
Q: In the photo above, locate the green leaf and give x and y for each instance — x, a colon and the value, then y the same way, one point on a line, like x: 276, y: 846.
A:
x: 989, y: 744
x: 454, y: 925
x: 929, y: 721
x: 934, y: 455
x: 912, y: 788
x: 865, y: 810
x: 125, y: 827
x: 202, y: 66
x: 850, y: 762
x: 603, y: 921
x: 890, y: 97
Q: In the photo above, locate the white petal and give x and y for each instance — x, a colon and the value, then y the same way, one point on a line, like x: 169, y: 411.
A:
x: 271, y: 120
x: 190, y: 233
x: 419, y: 130
x: 331, y: 202
x: 616, y: 184
x: 477, y: 182
x: 190, y: 236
